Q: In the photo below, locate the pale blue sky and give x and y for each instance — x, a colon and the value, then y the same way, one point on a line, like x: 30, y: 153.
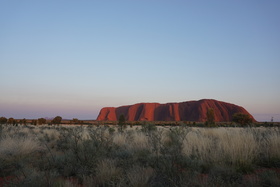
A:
x: 71, y: 58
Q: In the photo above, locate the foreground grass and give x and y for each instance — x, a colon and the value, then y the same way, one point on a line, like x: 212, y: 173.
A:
x: 139, y: 156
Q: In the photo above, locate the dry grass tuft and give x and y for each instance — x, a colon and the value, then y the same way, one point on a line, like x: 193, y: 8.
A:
x: 222, y: 145
x: 274, y: 144
x: 120, y: 139
x: 238, y: 147
x: 17, y: 146
x: 106, y: 172
x: 139, y: 142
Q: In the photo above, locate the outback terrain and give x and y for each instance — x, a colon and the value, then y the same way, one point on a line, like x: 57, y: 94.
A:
x: 145, y: 155
x: 196, y: 143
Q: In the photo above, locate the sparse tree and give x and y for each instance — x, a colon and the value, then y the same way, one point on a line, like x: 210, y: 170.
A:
x: 210, y: 117
x: 121, y: 122
x: 24, y: 121
x: 11, y: 121
x: 34, y: 122
x: 42, y: 121
x: 242, y: 118
x: 15, y: 122
x: 57, y: 120
x: 75, y: 120
x: 3, y: 120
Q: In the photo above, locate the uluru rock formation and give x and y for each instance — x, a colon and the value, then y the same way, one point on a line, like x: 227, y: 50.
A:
x: 184, y: 111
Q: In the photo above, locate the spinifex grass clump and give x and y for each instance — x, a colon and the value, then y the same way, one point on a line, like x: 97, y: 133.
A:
x: 147, y: 156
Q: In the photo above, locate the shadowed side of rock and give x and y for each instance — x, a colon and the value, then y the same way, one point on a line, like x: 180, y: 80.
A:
x: 184, y: 111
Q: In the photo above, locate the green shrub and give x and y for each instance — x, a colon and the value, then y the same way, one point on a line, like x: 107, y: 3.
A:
x: 148, y: 127
x: 121, y: 123
x: 111, y: 130
x: 210, y: 118
x: 241, y: 118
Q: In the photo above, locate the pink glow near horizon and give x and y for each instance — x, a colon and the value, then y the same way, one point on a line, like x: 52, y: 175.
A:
x: 72, y: 61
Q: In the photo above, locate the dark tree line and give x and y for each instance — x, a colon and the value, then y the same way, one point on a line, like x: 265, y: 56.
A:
x: 239, y: 118
x: 39, y: 121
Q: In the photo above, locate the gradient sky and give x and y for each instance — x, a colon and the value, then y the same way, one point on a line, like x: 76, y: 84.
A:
x: 71, y: 58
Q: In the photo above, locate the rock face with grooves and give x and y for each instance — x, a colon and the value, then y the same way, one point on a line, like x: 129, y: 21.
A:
x: 184, y: 111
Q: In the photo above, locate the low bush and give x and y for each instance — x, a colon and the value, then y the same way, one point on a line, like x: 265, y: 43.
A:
x: 161, y: 156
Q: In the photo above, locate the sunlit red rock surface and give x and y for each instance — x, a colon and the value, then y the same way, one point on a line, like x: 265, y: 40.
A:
x: 184, y: 111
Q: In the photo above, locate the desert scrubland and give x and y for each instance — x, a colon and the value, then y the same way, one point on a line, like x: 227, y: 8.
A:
x: 139, y: 156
